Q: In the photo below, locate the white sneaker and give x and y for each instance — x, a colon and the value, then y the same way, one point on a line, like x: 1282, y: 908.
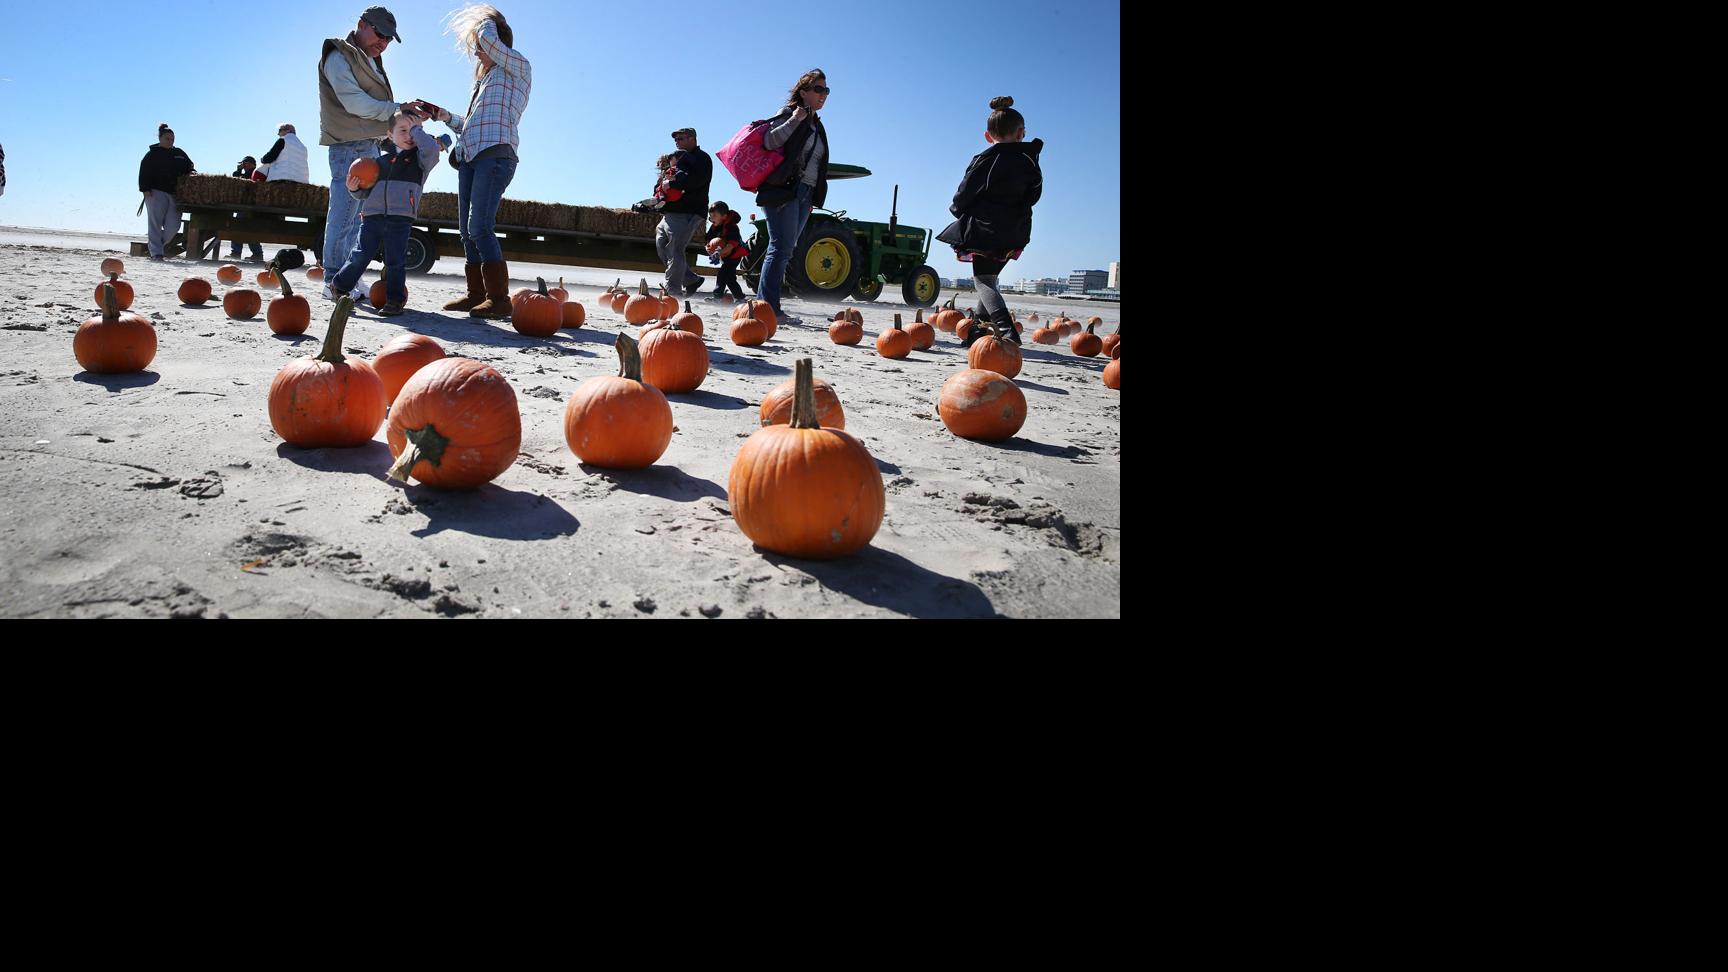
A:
x: 327, y: 293
x: 359, y: 294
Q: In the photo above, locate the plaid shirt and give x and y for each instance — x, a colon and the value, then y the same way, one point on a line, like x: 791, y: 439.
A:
x: 499, y: 98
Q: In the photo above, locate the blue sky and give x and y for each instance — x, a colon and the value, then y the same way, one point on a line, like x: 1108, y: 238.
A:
x: 85, y: 84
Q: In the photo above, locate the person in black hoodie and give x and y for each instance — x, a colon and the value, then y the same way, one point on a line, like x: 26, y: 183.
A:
x: 158, y: 178
x: 798, y: 185
x: 686, y: 201
x: 994, y: 209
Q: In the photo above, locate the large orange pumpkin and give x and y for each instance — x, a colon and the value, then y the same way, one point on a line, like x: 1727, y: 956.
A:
x: 114, y: 343
x: 328, y: 401
x: 845, y: 331
x: 379, y: 295
x: 803, y: 490
x: 995, y: 353
x: 572, y: 314
x: 195, y: 291
x: 982, y: 405
x: 536, y: 313
x: 761, y: 310
x: 228, y: 275
x: 122, y: 292
x: 894, y: 342
x: 673, y: 359
x: 242, y: 303
x: 112, y: 267
x: 923, y: 335
x: 1087, y: 345
x: 397, y: 361
x: 289, y: 313
x: 777, y: 404
x: 619, y: 421
x: 947, y: 318
x: 642, y: 306
x: 454, y: 425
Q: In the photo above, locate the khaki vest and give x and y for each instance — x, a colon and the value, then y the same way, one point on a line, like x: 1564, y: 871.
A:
x: 335, y: 124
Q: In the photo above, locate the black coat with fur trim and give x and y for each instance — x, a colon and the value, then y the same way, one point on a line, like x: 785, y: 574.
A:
x: 995, y: 199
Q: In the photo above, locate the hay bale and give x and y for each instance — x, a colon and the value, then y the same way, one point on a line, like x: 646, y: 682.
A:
x: 562, y: 217
x: 438, y: 205
x: 199, y: 189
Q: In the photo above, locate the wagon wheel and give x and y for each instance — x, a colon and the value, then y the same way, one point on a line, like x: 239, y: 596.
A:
x: 869, y: 288
x: 827, y: 261
x: 922, y: 287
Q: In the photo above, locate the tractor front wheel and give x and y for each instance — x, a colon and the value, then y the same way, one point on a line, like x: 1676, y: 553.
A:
x: 869, y: 288
x: 922, y: 287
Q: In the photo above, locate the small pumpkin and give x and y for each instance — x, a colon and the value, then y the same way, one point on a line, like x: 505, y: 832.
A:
x: 1033, y: 317
x: 573, y: 314
x: 454, y: 425
x: 1088, y: 344
x: 267, y: 278
x: 1046, y: 335
x: 688, y: 321
x: 195, y: 291
x: 114, y: 343
x: 328, y: 401
x: 977, y: 404
x: 761, y: 310
x: 365, y: 170
x: 289, y: 313
x: 536, y: 313
x: 803, y: 490
x: 122, y: 291
x: 1116, y: 352
x: 963, y: 330
x: 850, y: 314
x: 995, y: 353
x: 748, y: 332
x: 242, y: 303
x: 619, y: 421
x: 668, y: 304
x: 559, y: 292
x: 113, y: 267
x: 894, y: 342
x: 618, y: 301
x: 1094, y: 321
x: 844, y: 331
x: 642, y: 307
x: 228, y: 275
x: 314, y: 274
x: 397, y: 361
x: 379, y: 295
x: 673, y: 359
x: 1113, y: 374
x: 777, y: 404
x: 1111, y: 340
x: 948, y: 318
x: 923, y: 335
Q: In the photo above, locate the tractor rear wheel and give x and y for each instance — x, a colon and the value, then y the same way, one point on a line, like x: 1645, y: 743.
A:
x: 827, y: 263
x: 922, y: 287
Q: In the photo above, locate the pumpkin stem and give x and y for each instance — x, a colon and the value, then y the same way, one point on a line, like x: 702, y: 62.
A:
x: 542, y: 282
x: 629, y: 357
x: 424, y: 444
x: 332, y: 351
x: 281, y: 279
x: 113, y: 278
x: 615, y: 288
x: 643, y: 288
x: 804, y: 396
x: 897, y: 326
x: 918, y: 318
x: 561, y: 283
x: 687, y: 309
x: 110, y: 303
x: 1092, y: 328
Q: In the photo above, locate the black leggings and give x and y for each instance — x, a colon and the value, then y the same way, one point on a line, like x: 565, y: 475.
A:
x: 728, y: 278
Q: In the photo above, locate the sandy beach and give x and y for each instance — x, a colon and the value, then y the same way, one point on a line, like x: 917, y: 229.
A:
x: 167, y: 493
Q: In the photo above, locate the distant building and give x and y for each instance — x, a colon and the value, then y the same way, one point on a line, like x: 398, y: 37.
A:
x: 1116, y: 276
x: 946, y: 282
x: 1081, y: 281
x: 964, y: 283
x: 1048, y: 285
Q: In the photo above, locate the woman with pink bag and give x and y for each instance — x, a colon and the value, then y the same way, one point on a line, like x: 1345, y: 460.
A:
x: 797, y: 185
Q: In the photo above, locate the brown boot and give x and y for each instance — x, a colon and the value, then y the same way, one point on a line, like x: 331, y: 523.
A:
x: 476, y: 290
x: 496, y: 274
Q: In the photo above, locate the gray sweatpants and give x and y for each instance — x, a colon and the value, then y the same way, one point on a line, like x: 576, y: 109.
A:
x: 671, y: 239
x: 164, y: 221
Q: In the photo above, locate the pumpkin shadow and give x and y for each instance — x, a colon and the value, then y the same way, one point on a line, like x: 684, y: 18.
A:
x: 887, y: 467
x: 1023, y: 383
x: 490, y: 511
x: 115, y: 383
x: 295, y: 338
x: 748, y: 366
x: 1018, y: 444
x: 707, y: 400
x: 666, y: 482
x: 372, y: 459
x: 888, y: 580
x: 203, y: 307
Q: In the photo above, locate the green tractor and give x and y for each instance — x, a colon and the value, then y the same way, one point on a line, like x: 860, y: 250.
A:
x: 839, y: 257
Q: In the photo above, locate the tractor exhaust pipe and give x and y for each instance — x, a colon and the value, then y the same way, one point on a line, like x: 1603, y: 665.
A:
x: 894, y: 217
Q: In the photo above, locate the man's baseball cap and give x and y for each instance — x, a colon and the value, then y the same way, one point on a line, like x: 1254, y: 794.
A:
x: 680, y: 133
x: 382, y: 21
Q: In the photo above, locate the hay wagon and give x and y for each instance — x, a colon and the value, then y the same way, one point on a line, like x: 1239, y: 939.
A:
x: 216, y: 208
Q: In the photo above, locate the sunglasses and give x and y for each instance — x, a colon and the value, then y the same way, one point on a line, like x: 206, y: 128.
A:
x: 818, y: 89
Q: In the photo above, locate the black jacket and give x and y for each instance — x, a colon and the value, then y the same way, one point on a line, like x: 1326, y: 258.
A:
x: 162, y: 168
x: 695, y: 171
x: 995, y: 199
x: 781, y: 186
x: 727, y: 231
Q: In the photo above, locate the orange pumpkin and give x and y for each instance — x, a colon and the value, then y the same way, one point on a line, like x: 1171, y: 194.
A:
x: 982, y: 405
x: 1108, y: 345
x: 749, y: 332
x: 777, y: 404
x: 803, y: 490
x: 1033, y: 317
x: 195, y: 291
x: 122, y: 291
x: 845, y: 332
x: 947, y: 318
x: 112, y: 267
x: 760, y: 310
x: 619, y: 300
x: 923, y: 335
x: 559, y: 292
x: 380, y: 294
x: 619, y: 421
x: 228, y: 275
x: 242, y: 304
x: 688, y: 321
x: 266, y: 278
x: 963, y: 330
x: 850, y: 314
x: 995, y: 353
x: 289, y: 313
x: 642, y: 307
x: 454, y: 425
x: 536, y: 313
x: 673, y: 359
x: 364, y: 170
x: 1113, y: 374
x: 114, y: 343
x: 1116, y: 352
x: 397, y: 361
x: 314, y: 274
x: 573, y: 314
x: 1087, y: 345
x: 1046, y: 335
x: 328, y: 401
x: 1094, y: 321
x: 668, y: 304
x: 894, y: 342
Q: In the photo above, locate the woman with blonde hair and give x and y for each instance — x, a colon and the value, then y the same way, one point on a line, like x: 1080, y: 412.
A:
x: 797, y: 186
x: 485, y: 154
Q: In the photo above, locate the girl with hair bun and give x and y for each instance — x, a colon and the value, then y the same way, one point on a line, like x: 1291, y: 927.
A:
x: 993, y: 209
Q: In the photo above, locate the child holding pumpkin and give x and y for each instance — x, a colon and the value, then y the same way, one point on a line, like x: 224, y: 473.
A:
x: 726, y: 246
x: 994, y: 210
x: 387, y: 211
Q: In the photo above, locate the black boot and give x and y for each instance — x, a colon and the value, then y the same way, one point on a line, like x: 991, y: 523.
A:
x: 1004, y: 322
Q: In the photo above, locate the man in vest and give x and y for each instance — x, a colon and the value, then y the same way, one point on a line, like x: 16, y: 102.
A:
x: 286, y: 160
x: 354, y: 108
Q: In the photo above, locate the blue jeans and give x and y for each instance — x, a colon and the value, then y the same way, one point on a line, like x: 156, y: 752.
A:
x: 342, y: 223
x: 479, y: 188
x: 392, y: 232
x: 785, y: 226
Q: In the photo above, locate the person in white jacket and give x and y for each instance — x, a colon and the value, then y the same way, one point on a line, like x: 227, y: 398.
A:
x: 286, y: 160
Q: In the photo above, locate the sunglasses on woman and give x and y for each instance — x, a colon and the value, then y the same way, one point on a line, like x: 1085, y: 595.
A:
x: 818, y: 89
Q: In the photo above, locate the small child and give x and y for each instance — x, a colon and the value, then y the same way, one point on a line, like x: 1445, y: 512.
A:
x: 405, y: 159
x: 663, y: 187
x: 725, y: 247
